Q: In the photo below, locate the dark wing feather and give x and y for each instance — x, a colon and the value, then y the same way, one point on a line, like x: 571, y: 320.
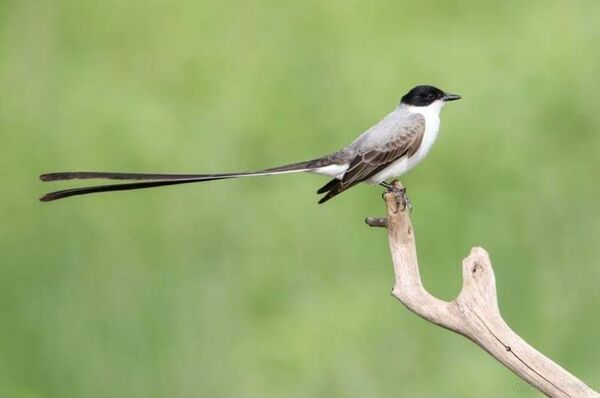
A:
x: 370, y: 162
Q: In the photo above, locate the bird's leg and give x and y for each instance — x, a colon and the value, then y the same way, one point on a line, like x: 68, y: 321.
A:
x: 399, y: 192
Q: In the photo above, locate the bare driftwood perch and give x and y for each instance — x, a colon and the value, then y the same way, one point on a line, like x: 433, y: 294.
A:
x: 474, y: 313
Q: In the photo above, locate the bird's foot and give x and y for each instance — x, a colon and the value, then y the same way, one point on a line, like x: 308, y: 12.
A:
x: 400, y: 194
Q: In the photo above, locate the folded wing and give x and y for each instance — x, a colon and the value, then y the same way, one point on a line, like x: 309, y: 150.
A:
x: 404, y: 141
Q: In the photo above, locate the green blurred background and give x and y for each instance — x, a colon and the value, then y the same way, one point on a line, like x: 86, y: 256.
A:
x: 249, y: 288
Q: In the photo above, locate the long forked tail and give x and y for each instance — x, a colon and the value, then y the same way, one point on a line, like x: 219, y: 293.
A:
x: 156, y: 180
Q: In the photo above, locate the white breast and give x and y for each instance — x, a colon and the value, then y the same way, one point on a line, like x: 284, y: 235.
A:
x: 432, y: 127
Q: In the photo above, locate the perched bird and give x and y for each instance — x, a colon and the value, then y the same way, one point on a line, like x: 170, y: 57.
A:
x: 390, y: 148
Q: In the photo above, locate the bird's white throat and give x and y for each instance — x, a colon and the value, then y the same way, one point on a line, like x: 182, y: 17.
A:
x: 431, y: 111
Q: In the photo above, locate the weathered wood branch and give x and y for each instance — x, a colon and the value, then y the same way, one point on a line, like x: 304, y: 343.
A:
x: 474, y: 313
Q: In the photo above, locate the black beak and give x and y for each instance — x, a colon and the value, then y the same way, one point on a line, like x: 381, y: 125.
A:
x: 451, y: 97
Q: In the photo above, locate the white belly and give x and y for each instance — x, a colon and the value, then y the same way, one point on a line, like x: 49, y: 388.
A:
x: 404, y: 164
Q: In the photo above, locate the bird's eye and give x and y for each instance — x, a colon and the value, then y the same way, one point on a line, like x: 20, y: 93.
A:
x: 430, y: 96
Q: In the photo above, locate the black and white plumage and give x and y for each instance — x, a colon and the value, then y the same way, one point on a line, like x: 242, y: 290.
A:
x: 390, y: 148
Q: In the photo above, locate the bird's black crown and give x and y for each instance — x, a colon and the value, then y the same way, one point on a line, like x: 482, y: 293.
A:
x: 423, y: 96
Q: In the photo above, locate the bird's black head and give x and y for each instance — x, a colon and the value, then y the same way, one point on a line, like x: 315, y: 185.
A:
x: 426, y: 95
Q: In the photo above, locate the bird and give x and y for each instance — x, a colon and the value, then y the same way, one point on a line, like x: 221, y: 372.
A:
x: 389, y: 149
